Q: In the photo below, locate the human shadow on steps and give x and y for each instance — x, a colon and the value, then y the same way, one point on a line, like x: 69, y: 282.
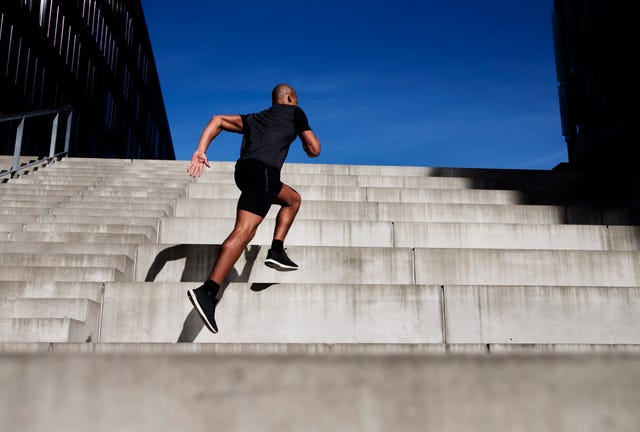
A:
x: 198, y: 262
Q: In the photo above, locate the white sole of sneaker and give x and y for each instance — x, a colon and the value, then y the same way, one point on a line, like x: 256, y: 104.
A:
x: 278, y: 266
x: 192, y: 298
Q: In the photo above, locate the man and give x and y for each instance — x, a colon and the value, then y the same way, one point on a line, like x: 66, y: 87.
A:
x: 267, y: 136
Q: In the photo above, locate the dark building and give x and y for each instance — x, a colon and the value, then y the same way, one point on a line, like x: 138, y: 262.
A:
x: 597, y: 44
x: 93, y: 55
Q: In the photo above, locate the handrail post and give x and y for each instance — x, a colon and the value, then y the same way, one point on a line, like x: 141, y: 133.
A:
x: 17, y: 149
x: 54, y: 135
x: 68, y: 134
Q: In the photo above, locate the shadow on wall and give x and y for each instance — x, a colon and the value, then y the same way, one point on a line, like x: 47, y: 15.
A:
x: 589, y: 197
x: 199, y: 260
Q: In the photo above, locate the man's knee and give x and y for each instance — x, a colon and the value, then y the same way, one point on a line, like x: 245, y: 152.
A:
x: 296, y: 200
x: 243, y: 235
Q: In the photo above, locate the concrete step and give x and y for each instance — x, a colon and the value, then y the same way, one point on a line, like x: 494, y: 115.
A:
x: 136, y: 193
x: 61, y: 274
x: 542, y: 314
x: 124, y: 199
x: 93, y: 172
x: 51, y: 289
x: 70, y: 237
x: 360, y: 194
x: 27, y: 202
x: 21, y: 212
x: 165, y: 207
x: 408, y: 195
x: 115, y: 212
x: 10, y: 226
x: 325, y: 392
x: 303, y: 179
x: 148, y: 231
x: 521, y: 267
x: 63, y: 217
x: 159, y: 182
x: 382, y: 314
x: 359, y: 211
x: 72, y: 248
x: 341, y: 265
x: 54, y: 181
x: 415, y: 212
x: 78, y: 309
x: 40, y: 189
x: 316, y: 349
x: 47, y: 199
x: 26, y: 259
x: 161, y: 312
x: 44, y: 329
x: 412, y: 234
x: 402, y: 182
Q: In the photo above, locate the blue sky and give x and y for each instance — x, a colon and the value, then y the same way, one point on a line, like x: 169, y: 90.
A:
x: 458, y: 84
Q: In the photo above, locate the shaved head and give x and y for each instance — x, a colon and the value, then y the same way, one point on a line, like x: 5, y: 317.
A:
x: 280, y: 93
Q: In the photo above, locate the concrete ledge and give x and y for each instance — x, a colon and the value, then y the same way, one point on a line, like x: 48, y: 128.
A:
x: 43, y: 330
x: 70, y: 237
x: 393, y: 212
x: 313, y: 349
x: 303, y: 233
x: 542, y: 315
x: 148, y: 231
x: 10, y: 227
x: 535, y: 267
x: 130, y: 205
x: 286, y: 349
x: 82, y: 310
x: 51, y: 289
x: 278, y: 313
x: 99, y: 219
x: 356, y: 393
x: 332, y: 265
x: 47, y: 199
x: 62, y: 274
x: 78, y: 248
x: 513, y: 236
x: 115, y: 211
x: 412, y: 234
x: 22, y: 259
x: 7, y: 212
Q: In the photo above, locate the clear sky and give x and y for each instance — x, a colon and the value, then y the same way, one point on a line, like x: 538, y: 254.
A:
x: 464, y: 83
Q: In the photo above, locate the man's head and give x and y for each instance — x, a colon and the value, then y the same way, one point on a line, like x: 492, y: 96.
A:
x: 284, y: 94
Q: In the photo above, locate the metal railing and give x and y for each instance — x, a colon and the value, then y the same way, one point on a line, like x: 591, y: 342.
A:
x: 16, y: 167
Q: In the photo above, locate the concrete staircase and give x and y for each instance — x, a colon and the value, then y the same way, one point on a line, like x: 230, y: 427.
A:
x: 399, y: 265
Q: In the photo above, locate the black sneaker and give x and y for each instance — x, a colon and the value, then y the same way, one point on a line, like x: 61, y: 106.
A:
x: 279, y: 261
x: 204, y: 302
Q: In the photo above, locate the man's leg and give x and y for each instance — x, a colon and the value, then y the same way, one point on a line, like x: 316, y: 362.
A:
x: 204, y: 299
x: 244, y: 230
x: 290, y: 200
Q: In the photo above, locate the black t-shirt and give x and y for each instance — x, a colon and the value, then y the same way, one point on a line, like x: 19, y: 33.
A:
x: 268, y: 134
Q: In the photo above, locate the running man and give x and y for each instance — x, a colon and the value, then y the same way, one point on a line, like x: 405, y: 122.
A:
x: 267, y: 136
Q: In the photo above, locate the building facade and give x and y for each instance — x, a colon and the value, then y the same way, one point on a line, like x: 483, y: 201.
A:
x: 597, y: 45
x: 93, y: 55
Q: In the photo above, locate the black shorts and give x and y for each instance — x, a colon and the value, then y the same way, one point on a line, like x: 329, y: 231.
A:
x: 260, y: 185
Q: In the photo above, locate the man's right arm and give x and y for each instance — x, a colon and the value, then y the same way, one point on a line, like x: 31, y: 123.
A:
x: 218, y: 123
x: 310, y: 143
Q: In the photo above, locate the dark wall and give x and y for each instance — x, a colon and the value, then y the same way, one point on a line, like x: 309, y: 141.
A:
x: 94, y: 55
x: 597, y: 45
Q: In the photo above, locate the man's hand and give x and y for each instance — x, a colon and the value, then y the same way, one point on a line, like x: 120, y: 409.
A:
x: 197, y: 161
